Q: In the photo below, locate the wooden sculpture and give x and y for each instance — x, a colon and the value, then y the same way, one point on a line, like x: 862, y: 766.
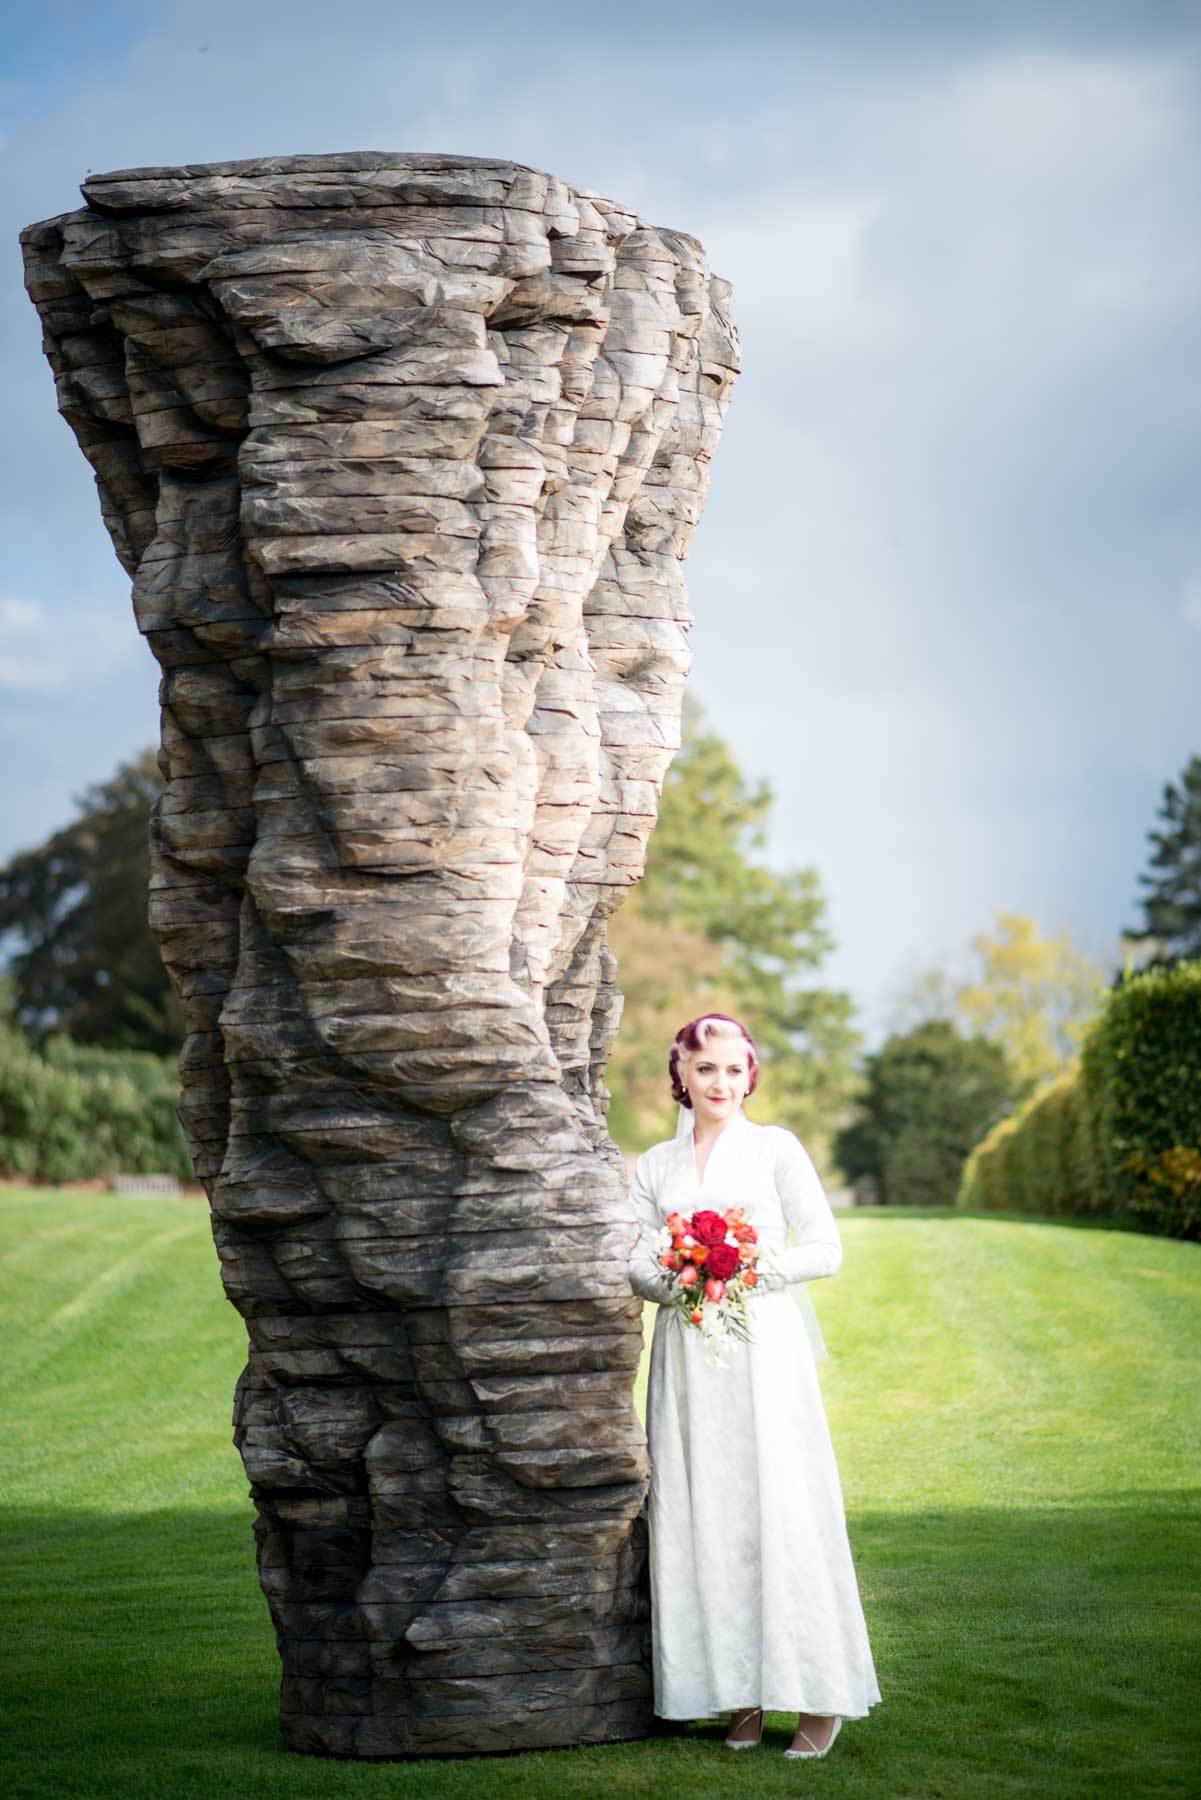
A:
x: 403, y: 454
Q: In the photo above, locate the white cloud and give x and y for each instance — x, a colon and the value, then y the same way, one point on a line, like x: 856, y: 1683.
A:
x: 801, y: 265
x: 17, y: 614
x: 48, y: 648
x: 28, y: 665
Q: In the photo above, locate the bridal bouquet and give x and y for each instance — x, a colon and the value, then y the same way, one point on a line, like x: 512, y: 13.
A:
x: 710, y: 1262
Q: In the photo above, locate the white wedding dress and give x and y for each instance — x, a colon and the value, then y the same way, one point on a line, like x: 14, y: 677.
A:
x: 754, y: 1596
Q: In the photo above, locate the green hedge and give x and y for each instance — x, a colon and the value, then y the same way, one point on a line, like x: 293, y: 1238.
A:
x: 71, y: 1114
x: 1148, y: 1060
x: 1039, y: 1159
x: 1118, y: 1134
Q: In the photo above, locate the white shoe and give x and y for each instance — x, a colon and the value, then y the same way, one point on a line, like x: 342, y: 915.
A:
x: 747, y: 1743
x: 815, y: 1751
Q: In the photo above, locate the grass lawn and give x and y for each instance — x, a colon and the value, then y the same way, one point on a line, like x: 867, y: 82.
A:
x: 1017, y: 1414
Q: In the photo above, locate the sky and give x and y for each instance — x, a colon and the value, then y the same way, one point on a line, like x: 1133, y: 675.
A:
x: 947, y: 589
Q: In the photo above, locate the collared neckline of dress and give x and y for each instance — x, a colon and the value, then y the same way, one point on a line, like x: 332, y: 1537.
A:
x: 688, y: 1142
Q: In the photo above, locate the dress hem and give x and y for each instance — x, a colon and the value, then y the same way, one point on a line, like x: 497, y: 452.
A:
x: 771, y: 1706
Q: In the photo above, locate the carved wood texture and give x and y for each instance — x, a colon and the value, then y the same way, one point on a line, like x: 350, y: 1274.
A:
x: 403, y: 454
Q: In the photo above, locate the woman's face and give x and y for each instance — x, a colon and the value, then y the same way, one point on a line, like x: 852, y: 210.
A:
x: 717, y: 1077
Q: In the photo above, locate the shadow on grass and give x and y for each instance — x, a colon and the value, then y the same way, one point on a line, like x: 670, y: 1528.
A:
x: 1020, y: 1651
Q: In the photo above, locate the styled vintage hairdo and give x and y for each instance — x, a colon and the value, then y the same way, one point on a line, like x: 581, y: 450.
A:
x: 695, y: 1035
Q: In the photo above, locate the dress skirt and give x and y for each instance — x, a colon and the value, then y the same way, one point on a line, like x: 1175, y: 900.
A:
x: 753, y: 1586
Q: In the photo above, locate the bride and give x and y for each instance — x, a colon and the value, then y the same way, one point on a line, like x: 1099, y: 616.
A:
x: 755, y: 1602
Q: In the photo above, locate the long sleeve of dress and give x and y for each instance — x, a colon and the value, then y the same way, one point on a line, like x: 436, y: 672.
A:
x: 647, y: 1276
x: 817, y: 1248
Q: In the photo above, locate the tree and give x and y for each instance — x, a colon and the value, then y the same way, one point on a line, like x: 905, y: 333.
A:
x: 1034, y: 996
x: 86, y: 962
x: 712, y: 928
x: 930, y: 1095
x: 924, y: 994
x: 664, y: 976
x: 1172, y: 905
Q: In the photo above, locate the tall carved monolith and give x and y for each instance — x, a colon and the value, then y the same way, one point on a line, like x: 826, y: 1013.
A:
x: 403, y: 454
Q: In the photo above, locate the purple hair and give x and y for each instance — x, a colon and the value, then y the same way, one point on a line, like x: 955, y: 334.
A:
x: 695, y: 1035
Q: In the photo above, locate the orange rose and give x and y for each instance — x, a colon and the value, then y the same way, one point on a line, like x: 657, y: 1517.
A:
x: 750, y: 1278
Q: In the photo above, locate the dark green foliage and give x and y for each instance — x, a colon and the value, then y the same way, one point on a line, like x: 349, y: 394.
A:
x: 1037, y: 1150
x: 1172, y: 904
x: 1084, y: 1182
x: 986, y: 1172
x: 1119, y: 1133
x: 1010, y: 1184
x: 1078, y: 1191
x: 1148, y: 1057
x: 85, y: 961
x: 72, y: 1115
x: 1040, y: 1159
x: 1092, y: 1150
x: 930, y: 1095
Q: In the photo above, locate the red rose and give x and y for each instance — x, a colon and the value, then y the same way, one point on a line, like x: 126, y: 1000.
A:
x: 722, y: 1262
x: 708, y: 1228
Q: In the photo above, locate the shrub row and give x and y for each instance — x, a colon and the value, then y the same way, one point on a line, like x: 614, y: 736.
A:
x: 1118, y: 1134
x: 1042, y: 1158
x: 70, y: 1114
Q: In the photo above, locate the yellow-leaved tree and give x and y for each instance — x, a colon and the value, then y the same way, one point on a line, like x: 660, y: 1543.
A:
x: 1033, y: 995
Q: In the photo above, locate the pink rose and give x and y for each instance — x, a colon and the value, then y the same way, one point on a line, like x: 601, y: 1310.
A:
x: 714, y: 1290
x: 688, y: 1275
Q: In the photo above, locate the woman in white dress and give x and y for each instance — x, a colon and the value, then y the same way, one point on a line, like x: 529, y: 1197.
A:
x: 755, y: 1602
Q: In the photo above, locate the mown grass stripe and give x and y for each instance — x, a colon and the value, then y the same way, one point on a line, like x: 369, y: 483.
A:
x: 99, y: 1290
